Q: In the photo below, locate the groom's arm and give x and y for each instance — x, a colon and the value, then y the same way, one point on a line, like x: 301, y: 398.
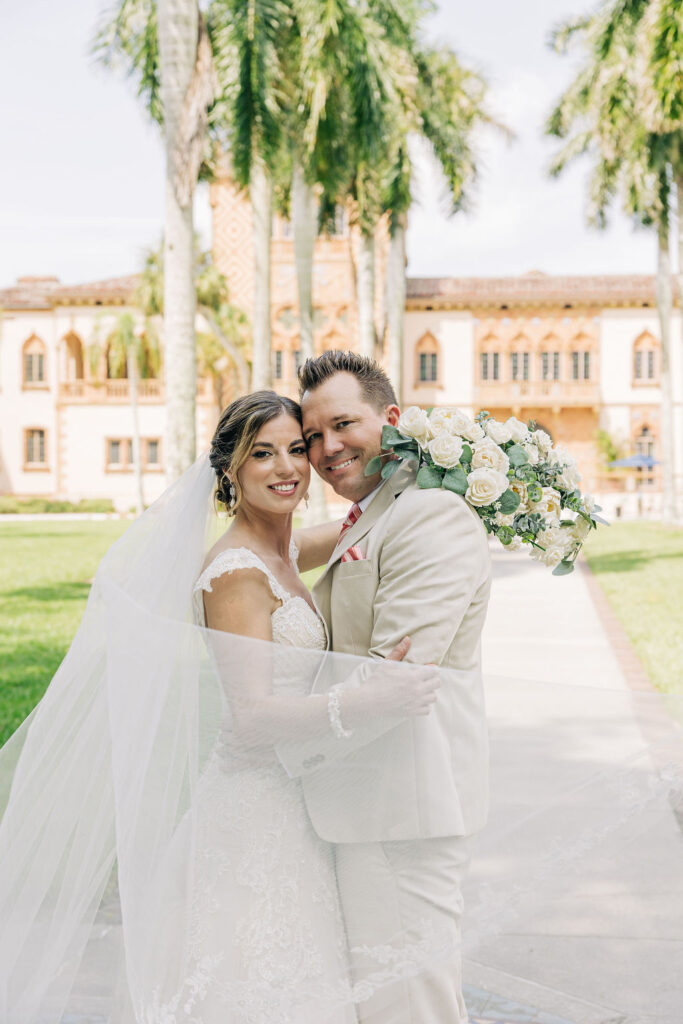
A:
x: 433, y: 559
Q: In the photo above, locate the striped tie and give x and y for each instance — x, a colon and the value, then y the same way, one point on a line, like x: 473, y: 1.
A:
x: 354, y: 553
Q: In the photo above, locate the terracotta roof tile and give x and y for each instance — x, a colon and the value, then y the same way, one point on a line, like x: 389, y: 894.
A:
x: 535, y: 288
x: 48, y: 292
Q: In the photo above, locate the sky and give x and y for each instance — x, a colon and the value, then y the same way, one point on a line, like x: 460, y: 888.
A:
x: 81, y: 165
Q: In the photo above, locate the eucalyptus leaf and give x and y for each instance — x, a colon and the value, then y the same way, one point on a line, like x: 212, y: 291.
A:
x: 517, y: 456
x: 408, y: 453
x: 466, y: 453
x: 373, y: 466
x: 390, y: 435
x: 429, y: 476
x: 509, y: 502
x: 563, y: 568
x: 455, y: 480
x: 599, y: 519
x: 389, y: 468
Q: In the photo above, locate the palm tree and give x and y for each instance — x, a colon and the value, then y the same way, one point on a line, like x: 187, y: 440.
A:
x: 601, y: 114
x: 225, y: 326
x: 132, y: 351
x: 165, y: 44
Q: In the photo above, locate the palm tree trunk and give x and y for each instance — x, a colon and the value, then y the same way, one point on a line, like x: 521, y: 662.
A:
x: 305, y: 224
x: 304, y: 219
x: 396, y: 304
x: 664, y: 306
x: 131, y: 363
x: 177, y: 54
x: 239, y: 362
x: 365, y: 291
x: 261, y: 193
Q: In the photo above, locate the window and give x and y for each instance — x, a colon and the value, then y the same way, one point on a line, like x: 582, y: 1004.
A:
x: 484, y: 366
x: 153, y: 452
x: 119, y: 456
x: 277, y: 365
x: 550, y: 365
x: 490, y: 366
x: 519, y: 366
x: 586, y: 365
x: 428, y: 366
x: 575, y: 365
x: 34, y: 450
x: 645, y: 366
x: 298, y: 360
x: 645, y: 443
x: 34, y: 363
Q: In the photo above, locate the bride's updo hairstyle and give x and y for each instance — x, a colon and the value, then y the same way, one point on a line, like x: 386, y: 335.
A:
x: 237, y: 429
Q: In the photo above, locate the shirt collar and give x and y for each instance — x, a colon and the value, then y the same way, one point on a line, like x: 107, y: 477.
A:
x: 364, y: 502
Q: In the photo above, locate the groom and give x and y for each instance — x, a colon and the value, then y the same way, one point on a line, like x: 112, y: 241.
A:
x: 409, y: 562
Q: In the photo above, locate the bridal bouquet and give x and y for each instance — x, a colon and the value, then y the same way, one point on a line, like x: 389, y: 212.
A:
x: 524, y: 488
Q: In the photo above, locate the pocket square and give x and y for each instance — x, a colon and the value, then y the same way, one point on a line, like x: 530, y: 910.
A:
x: 352, y: 554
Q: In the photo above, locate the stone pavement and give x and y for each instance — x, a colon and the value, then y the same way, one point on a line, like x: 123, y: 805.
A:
x: 582, y: 861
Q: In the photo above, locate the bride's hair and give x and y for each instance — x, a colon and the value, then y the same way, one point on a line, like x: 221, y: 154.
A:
x: 237, y: 428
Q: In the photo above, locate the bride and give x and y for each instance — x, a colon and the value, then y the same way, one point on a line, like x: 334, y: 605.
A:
x: 151, y: 761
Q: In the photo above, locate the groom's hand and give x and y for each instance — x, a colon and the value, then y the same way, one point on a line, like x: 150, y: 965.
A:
x: 400, y: 650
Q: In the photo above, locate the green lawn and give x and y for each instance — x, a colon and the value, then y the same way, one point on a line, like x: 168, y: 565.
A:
x: 45, y: 569
x: 640, y: 568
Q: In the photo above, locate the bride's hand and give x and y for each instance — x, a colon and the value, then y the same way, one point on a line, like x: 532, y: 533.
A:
x: 409, y: 693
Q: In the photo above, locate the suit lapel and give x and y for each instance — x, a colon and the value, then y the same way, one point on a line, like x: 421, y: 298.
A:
x: 382, y: 501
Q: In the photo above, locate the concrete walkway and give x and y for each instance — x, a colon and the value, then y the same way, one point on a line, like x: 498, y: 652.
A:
x: 575, y: 903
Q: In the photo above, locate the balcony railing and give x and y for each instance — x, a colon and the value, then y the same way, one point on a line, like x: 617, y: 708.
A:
x: 118, y: 391
x: 537, y: 392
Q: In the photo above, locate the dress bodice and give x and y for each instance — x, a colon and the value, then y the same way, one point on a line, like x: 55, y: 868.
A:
x: 294, y: 622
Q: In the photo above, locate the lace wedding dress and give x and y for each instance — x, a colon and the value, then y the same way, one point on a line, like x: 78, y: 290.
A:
x: 267, y: 943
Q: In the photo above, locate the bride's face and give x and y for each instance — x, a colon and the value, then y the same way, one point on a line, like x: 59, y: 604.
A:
x: 275, y: 474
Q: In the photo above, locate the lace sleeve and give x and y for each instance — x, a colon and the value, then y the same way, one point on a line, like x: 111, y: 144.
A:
x: 238, y: 558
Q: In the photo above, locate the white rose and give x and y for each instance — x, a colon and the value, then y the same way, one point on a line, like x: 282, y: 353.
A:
x: 500, y: 519
x: 497, y: 431
x: 570, y: 478
x: 549, y: 504
x: 589, y: 503
x: 414, y: 422
x: 446, y: 450
x: 532, y: 451
x: 449, y: 419
x: 485, y: 486
x: 581, y: 529
x: 487, y: 454
x: 518, y: 430
x: 519, y: 487
x: 557, y: 542
x: 474, y: 432
x: 543, y: 440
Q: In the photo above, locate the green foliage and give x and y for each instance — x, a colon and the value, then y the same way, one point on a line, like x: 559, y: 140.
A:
x: 509, y: 502
x: 429, y: 476
x: 33, y: 506
x: 373, y: 466
x: 517, y: 456
x: 455, y: 480
x: 609, y: 448
x: 389, y: 468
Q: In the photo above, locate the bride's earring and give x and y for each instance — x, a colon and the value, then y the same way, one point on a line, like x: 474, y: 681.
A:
x: 233, y: 495
x: 306, y: 500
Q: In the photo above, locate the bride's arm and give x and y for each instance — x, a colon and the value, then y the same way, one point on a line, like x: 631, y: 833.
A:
x: 316, y: 543
x: 241, y: 603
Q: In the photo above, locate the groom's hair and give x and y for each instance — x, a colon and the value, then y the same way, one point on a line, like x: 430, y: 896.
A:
x: 375, y: 386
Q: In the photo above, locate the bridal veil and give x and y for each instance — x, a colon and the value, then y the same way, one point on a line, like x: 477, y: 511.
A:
x: 101, y: 827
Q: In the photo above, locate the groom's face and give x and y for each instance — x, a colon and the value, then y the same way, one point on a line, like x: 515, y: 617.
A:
x: 343, y: 432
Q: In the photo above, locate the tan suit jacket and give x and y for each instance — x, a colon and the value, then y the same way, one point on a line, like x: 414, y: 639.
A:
x: 425, y: 574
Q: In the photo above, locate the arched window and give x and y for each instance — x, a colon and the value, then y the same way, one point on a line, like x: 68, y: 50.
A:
x: 549, y: 358
x: 489, y: 358
x: 34, y: 363
x: 580, y: 358
x: 520, y: 358
x: 646, y: 359
x: 72, y: 356
x: 645, y: 443
x: 427, y: 360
